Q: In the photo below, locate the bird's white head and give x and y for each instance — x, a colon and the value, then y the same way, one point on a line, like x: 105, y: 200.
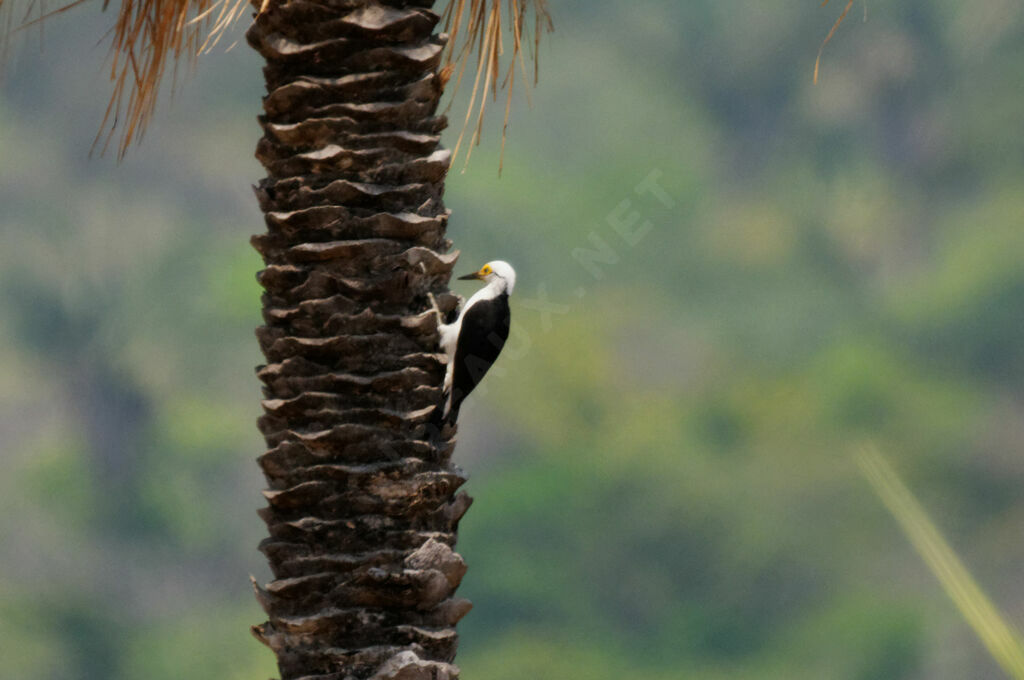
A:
x: 496, y: 273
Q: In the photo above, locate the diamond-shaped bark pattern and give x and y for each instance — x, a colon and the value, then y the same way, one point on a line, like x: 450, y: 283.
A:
x: 362, y: 506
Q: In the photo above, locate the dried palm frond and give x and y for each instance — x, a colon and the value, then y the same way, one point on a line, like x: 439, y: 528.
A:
x: 8, y: 26
x: 146, y: 36
x: 835, y: 27
x: 149, y: 34
x: 475, y: 26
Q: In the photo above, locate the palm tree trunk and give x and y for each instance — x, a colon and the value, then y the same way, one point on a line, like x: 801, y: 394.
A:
x: 362, y: 506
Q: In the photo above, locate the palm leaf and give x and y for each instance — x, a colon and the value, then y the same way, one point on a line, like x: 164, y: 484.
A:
x: 149, y: 35
x: 475, y: 27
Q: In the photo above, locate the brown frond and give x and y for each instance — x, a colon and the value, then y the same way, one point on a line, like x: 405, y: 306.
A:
x: 35, y: 12
x: 476, y: 27
x: 149, y: 34
x: 835, y: 27
x: 146, y: 36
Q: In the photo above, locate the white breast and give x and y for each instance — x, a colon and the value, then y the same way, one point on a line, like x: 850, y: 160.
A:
x: 450, y: 331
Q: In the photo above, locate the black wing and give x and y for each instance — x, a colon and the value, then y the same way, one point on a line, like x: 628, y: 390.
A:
x: 481, y: 337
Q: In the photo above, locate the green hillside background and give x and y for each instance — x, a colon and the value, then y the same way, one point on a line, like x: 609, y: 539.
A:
x: 662, y: 460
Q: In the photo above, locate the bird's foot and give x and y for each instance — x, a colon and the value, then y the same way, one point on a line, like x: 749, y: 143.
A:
x: 436, y: 309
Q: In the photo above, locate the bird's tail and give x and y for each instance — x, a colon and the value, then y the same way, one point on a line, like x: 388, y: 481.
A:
x: 443, y: 418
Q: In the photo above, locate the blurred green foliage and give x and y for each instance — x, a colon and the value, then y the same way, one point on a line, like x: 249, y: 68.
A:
x: 660, y: 461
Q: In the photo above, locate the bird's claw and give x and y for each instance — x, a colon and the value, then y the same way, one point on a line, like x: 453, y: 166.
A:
x: 436, y: 309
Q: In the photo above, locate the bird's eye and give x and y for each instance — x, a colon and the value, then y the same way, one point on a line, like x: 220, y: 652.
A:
x: 487, y: 270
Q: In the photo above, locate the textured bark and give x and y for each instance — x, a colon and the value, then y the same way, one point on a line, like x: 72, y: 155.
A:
x: 362, y: 505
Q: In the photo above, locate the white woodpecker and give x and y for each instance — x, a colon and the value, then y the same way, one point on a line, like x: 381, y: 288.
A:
x: 473, y: 341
